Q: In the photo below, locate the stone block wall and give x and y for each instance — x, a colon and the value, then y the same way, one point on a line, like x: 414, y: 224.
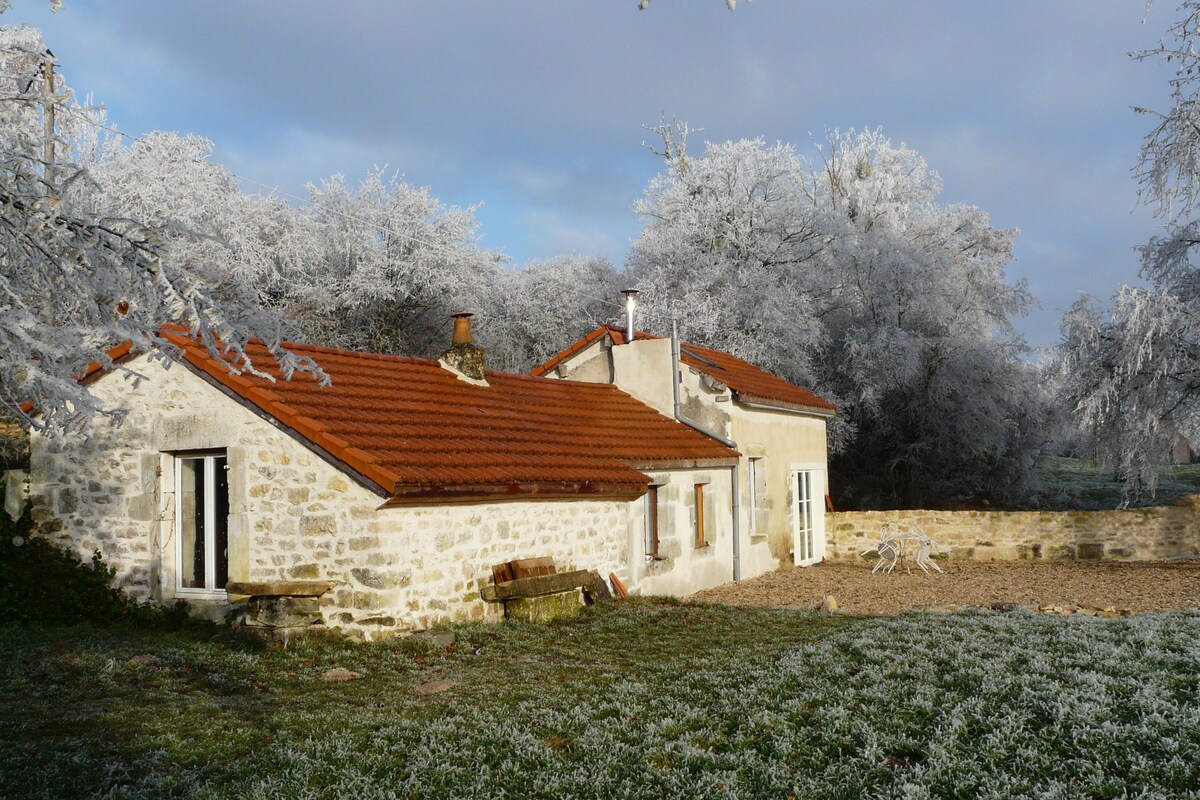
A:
x: 292, y: 514
x: 1142, y: 533
x: 405, y: 568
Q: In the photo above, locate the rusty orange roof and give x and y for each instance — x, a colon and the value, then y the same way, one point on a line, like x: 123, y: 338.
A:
x: 743, y: 378
x: 414, y: 430
x: 92, y: 370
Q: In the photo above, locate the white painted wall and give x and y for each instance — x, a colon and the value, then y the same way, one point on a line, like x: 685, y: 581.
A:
x: 683, y: 568
x: 783, y: 440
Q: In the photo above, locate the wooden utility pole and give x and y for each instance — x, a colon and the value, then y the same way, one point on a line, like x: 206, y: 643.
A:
x: 48, y: 119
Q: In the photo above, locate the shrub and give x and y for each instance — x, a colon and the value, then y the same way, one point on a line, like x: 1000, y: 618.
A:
x: 41, y: 584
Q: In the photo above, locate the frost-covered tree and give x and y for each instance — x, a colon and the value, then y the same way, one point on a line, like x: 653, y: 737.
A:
x: 169, y: 183
x: 380, y: 267
x: 78, y: 276
x: 1132, y: 374
x: 730, y: 246
x: 848, y: 275
x: 918, y: 343
x: 533, y: 311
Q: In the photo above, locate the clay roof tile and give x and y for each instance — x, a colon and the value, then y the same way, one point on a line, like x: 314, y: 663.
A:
x: 414, y: 430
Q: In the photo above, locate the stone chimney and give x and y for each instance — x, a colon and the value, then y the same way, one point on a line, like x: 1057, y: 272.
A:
x: 463, y: 356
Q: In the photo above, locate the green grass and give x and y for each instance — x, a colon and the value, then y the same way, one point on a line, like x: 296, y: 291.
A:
x: 1072, y: 483
x: 638, y: 699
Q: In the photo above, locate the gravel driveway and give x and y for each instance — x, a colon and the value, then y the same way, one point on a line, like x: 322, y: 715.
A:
x: 1137, y: 586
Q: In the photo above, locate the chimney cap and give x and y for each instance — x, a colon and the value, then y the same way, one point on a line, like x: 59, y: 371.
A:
x: 630, y: 293
x: 458, y: 314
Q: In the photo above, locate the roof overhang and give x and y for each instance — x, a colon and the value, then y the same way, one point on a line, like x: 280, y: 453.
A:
x: 684, y: 463
x: 426, y: 494
x: 766, y: 404
x: 299, y: 434
x: 93, y: 372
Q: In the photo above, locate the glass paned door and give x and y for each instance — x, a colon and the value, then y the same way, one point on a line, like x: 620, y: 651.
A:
x: 191, y: 516
x: 202, y: 522
x: 806, y: 525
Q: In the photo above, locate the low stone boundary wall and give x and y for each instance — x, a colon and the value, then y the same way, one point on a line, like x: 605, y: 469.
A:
x: 1141, y: 533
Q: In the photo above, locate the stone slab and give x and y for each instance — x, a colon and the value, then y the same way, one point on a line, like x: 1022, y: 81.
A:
x: 282, y: 612
x: 537, y: 586
x: 280, y: 588
x: 545, y: 608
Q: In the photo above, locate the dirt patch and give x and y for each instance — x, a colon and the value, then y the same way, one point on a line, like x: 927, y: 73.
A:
x: 1139, y: 586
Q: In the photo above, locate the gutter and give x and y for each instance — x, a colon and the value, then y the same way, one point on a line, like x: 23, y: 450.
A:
x: 736, y: 487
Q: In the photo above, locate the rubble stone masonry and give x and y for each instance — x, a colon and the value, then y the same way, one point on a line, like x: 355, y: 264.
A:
x: 292, y: 514
x: 1142, y: 533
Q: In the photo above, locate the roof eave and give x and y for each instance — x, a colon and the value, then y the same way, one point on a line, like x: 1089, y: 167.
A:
x: 94, y: 371
x: 767, y: 404
x: 302, y: 434
x: 572, y: 349
x: 443, y: 494
x: 684, y: 463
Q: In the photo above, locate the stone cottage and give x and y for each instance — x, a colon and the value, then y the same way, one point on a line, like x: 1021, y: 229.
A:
x: 402, y: 482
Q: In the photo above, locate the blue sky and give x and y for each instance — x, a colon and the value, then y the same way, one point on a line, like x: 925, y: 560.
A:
x: 535, y: 107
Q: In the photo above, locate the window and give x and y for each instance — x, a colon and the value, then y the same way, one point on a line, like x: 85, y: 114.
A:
x: 756, y: 479
x: 202, y: 523
x: 652, y: 523
x: 701, y: 533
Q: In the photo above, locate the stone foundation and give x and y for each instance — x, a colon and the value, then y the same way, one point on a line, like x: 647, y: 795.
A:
x: 1141, y: 534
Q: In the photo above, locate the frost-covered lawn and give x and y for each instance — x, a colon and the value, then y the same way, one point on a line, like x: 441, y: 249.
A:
x: 645, y: 699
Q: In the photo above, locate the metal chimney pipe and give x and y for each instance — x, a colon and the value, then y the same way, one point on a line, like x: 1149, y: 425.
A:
x: 630, y: 305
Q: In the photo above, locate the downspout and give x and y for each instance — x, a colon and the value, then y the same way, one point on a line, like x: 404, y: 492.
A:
x: 734, y: 471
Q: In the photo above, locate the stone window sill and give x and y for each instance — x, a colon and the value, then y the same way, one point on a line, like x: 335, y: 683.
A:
x: 202, y: 596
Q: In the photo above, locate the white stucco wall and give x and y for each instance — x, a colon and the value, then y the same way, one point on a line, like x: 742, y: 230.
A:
x: 784, y: 441
x: 682, y: 567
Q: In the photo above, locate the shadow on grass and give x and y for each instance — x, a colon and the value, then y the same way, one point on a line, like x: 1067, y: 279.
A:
x: 131, y: 711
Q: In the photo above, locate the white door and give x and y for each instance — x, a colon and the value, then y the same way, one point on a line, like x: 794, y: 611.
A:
x: 201, y: 524
x: 808, y: 516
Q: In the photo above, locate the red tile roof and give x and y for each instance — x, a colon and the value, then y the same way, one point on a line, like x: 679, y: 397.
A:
x: 746, y: 380
x: 92, y: 370
x: 413, y: 429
